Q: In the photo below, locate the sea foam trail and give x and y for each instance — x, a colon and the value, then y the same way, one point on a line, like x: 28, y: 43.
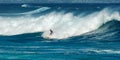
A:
x: 63, y: 24
x: 102, y: 51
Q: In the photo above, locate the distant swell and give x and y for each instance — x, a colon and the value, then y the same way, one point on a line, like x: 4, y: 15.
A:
x: 63, y: 24
x: 38, y: 10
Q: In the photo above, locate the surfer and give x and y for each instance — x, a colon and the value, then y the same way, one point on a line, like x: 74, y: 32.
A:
x: 51, y: 31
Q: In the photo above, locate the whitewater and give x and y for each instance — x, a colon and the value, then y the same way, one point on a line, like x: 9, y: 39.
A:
x: 63, y: 24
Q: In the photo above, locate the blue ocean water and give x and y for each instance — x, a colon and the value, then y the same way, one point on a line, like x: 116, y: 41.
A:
x: 81, y: 31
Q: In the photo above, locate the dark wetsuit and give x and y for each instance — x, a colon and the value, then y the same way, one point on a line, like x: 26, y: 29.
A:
x: 51, y: 32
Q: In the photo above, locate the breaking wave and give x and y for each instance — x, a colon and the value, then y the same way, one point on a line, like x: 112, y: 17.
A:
x: 63, y: 24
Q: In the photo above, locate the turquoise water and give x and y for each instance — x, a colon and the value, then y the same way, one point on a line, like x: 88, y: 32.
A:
x: 81, y: 31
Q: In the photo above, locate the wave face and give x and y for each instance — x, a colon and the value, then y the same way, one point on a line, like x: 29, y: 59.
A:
x: 64, y: 23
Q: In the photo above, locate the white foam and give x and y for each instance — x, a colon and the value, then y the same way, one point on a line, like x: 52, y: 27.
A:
x: 24, y: 5
x: 64, y: 25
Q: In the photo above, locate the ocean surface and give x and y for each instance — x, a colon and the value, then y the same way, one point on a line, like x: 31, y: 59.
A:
x: 80, y: 31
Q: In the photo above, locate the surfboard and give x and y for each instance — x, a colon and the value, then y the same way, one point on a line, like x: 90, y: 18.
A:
x: 47, y: 37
